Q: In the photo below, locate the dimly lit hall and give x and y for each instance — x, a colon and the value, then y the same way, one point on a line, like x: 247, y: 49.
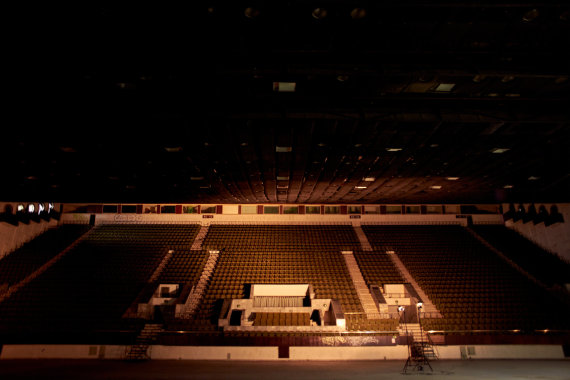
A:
x: 239, y: 189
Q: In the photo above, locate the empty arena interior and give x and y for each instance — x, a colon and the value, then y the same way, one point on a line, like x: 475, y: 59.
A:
x: 281, y: 181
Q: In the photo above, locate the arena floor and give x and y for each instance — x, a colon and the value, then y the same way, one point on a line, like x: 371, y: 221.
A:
x: 354, y: 370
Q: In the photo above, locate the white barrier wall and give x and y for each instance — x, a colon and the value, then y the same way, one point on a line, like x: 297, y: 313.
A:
x: 158, y: 352
x: 61, y: 351
x: 501, y: 352
x: 349, y: 353
x: 214, y: 353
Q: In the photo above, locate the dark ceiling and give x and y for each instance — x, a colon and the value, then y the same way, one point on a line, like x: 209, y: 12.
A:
x: 394, y: 102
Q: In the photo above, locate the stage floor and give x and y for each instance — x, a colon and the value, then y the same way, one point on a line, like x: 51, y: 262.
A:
x: 277, y: 370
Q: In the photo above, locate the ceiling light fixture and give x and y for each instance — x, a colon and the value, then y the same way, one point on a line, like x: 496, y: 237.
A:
x: 369, y: 179
x: 393, y: 149
x: 508, y: 187
x: 531, y: 15
x: 358, y: 13
x: 507, y: 78
x: 479, y: 78
x: 283, y: 149
x: 251, y: 13
x: 444, y: 87
x: 319, y: 13
x: 500, y: 150
x: 452, y: 178
x: 284, y: 86
x: 435, y: 187
x: 361, y: 187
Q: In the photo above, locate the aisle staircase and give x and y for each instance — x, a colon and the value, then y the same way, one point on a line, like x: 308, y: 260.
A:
x: 429, y: 309
x: 364, y: 243
x: 189, y: 307
x: 362, y: 290
x: 199, y: 240
x: 140, y: 350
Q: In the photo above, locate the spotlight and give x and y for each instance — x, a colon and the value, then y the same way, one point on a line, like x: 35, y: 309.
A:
x: 22, y: 215
x: 401, y: 308
x: 542, y: 215
x: 419, y: 305
x: 31, y: 208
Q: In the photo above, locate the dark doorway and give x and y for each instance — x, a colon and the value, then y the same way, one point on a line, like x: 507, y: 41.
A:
x: 235, y: 318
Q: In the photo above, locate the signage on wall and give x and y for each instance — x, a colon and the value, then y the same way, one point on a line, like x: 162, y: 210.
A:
x: 355, y: 217
x: 207, y: 216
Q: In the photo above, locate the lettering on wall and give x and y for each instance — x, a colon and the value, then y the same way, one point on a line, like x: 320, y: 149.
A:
x: 128, y: 218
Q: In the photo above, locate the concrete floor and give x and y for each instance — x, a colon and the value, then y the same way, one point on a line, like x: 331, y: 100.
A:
x: 290, y: 370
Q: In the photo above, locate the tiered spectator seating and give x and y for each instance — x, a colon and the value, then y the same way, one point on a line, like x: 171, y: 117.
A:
x: 359, y: 322
x: 93, y: 284
x: 235, y: 270
x: 184, y: 266
x: 543, y: 265
x: 472, y: 287
x: 282, y: 237
x: 32, y: 255
x: 281, y: 319
x: 377, y: 268
x: 278, y: 254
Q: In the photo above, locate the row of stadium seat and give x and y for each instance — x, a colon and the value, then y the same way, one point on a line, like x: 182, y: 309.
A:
x: 450, y: 256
